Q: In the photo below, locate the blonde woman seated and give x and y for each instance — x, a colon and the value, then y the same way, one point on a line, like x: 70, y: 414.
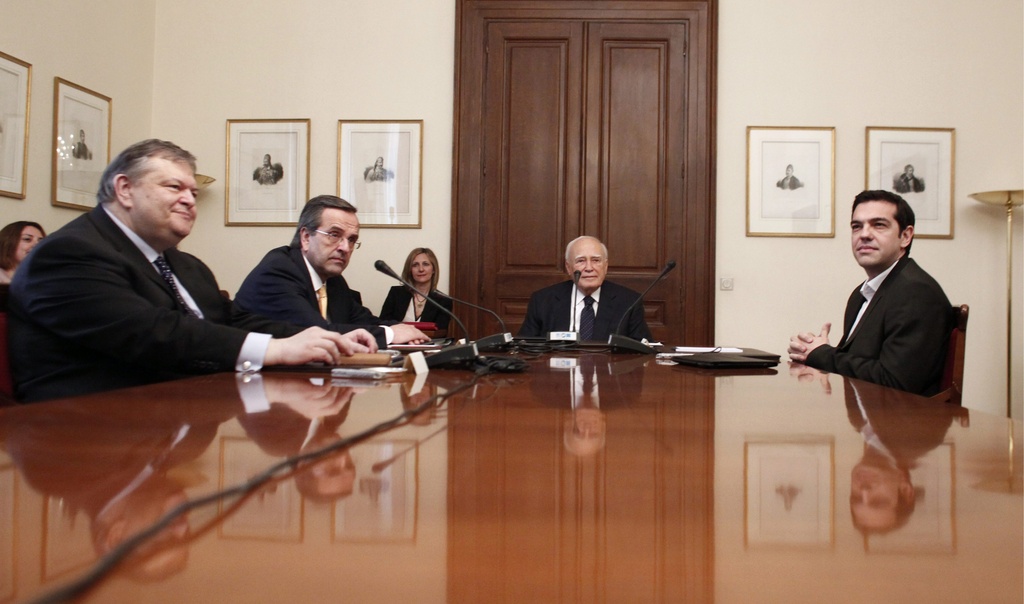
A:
x: 404, y: 305
x: 16, y: 241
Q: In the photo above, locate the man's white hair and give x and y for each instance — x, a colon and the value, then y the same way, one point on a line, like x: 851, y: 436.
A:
x: 568, y: 248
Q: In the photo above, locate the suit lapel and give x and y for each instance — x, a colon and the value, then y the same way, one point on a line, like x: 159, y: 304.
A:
x: 875, y: 301
x: 124, y: 246
x: 562, y: 307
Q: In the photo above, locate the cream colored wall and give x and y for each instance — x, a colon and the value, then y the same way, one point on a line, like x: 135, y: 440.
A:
x: 781, y: 63
x: 324, y: 61
x: 912, y: 63
x: 103, y: 45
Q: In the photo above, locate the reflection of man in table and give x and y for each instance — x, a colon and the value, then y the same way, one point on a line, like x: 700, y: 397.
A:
x: 80, y: 150
x: 302, y: 417
x: 377, y: 172
x: 790, y: 182
x: 898, y: 430
x: 907, y: 182
x: 269, y: 173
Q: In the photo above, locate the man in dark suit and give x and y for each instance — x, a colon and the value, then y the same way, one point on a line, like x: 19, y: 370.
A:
x: 290, y: 282
x: 563, y: 306
x: 108, y: 301
x: 897, y: 323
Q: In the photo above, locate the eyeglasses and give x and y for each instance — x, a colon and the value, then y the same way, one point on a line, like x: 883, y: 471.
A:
x: 334, y: 238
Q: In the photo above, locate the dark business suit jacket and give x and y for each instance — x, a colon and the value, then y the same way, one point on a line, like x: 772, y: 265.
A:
x: 280, y: 288
x: 89, y: 313
x: 901, y: 339
x: 397, y: 303
x: 548, y: 310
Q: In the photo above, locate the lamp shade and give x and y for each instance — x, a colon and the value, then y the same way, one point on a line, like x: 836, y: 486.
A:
x: 203, y: 181
x: 1000, y: 198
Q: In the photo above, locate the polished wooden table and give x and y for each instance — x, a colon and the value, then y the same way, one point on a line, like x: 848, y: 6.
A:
x: 586, y: 478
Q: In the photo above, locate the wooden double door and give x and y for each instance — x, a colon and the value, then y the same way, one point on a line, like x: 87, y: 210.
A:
x: 585, y: 118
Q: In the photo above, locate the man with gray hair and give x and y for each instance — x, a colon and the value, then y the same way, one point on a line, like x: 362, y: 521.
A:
x: 108, y: 301
x: 593, y: 307
x: 301, y: 283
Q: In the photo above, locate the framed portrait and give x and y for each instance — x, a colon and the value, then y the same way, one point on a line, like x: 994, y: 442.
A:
x: 382, y: 506
x: 917, y: 164
x: 790, y: 182
x: 81, y: 144
x: 15, y: 97
x: 380, y: 171
x: 788, y: 492
x: 267, y: 172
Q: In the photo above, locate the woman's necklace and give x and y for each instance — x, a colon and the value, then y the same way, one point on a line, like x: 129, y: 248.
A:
x: 419, y: 301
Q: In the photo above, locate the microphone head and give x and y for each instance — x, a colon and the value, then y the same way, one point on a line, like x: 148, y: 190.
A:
x: 670, y: 265
x: 576, y: 277
x: 383, y: 267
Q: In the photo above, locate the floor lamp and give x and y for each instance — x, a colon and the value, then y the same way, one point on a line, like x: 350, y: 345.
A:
x: 1007, y: 199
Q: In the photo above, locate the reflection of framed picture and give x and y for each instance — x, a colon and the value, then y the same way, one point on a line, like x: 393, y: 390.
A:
x: 8, y: 526
x: 81, y: 144
x: 274, y: 512
x: 380, y: 167
x: 382, y: 507
x: 267, y: 172
x: 788, y: 492
x: 15, y: 95
x: 918, y: 164
x: 790, y: 182
x: 931, y: 526
x: 67, y: 539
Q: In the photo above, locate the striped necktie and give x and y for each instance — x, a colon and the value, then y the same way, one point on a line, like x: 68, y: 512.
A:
x: 168, y: 275
x: 587, y: 319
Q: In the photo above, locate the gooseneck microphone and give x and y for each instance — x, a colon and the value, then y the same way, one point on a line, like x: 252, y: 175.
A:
x: 621, y: 343
x: 497, y: 341
x: 451, y: 354
x: 575, y: 295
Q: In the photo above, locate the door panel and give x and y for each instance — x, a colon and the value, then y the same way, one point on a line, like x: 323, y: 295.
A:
x: 584, y: 118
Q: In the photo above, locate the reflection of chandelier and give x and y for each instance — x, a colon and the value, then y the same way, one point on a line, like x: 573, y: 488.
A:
x: 64, y: 148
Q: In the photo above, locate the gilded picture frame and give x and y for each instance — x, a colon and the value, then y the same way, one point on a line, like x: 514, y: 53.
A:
x: 790, y: 181
x: 380, y: 171
x: 81, y: 144
x: 267, y: 167
x: 15, y: 109
x: 919, y: 165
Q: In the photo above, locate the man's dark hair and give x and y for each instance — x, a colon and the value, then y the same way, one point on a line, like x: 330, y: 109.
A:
x: 309, y: 219
x: 132, y: 162
x: 904, y: 213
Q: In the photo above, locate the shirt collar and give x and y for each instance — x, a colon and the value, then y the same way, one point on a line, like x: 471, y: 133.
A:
x: 870, y: 287
x: 146, y: 249
x: 313, y: 275
x: 578, y: 295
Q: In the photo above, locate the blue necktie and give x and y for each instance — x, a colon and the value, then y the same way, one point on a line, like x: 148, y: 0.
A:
x: 165, y: 272
x: 587, y: 319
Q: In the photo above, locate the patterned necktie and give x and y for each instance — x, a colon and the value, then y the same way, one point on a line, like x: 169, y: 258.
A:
x: 587, y: 319
x: 321, y: 298
x: 165, y: 272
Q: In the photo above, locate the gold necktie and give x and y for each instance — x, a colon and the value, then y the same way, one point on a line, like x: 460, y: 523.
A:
x: 321, y: 296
